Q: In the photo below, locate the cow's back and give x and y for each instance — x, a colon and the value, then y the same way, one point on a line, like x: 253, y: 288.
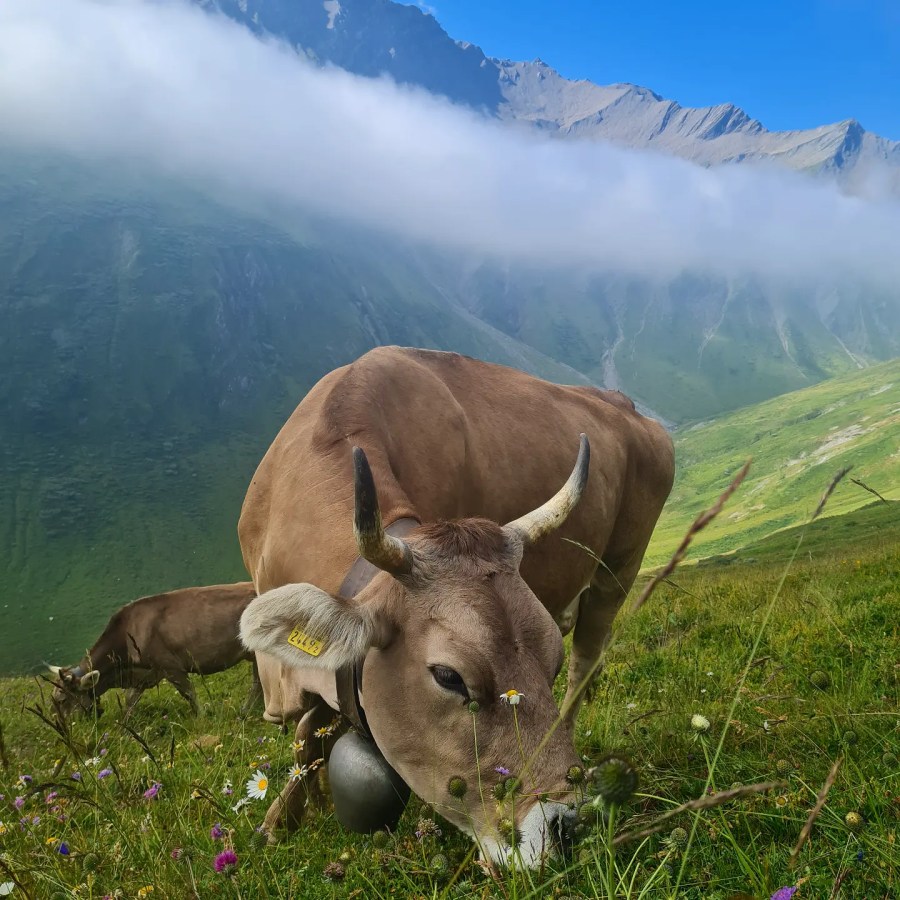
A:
x: 448, y: 436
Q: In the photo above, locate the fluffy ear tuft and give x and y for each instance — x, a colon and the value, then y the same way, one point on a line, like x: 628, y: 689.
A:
x: 304, y: 626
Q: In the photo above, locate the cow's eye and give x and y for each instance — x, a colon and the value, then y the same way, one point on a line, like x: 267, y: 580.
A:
x: 450, y: 680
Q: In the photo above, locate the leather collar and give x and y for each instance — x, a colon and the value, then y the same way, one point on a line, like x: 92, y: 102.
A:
x: 349, y: 678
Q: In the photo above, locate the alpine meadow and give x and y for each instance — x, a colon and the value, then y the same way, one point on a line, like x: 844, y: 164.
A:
x: 528, y: 444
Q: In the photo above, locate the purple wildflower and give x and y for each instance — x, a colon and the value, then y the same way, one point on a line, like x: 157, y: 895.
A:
x: 216, y: 832
x: 225, y: 861
x: 76, y: 776
x: 63, y: 848
x: 25, y: 779
x: 501, y: 770
x: 177, y: 853
x: 103, y: 773
x: 51, y: 797
x: 36, y: 820
x: 19, y: 802
x: 784, y: 893
x: 103, y: 752
x: 152, y: 791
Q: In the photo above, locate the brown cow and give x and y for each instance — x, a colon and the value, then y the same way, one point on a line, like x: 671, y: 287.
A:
x: 463, y: 608
x: 166, y: 636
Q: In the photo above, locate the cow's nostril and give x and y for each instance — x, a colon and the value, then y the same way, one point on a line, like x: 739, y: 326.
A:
x: 568, y: 828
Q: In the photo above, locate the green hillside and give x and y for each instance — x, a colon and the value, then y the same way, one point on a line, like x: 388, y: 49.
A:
x: 797, y: 442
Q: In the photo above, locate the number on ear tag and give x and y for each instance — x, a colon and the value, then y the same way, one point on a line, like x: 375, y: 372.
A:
x: 304, y: 642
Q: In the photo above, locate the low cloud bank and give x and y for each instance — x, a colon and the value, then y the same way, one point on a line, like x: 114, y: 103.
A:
x: 200, y: 98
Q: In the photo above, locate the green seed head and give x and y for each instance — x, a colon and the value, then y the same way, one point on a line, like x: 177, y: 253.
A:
x: 474, y: 707
x: 616, y: 779
x: 889, y: 760
x: 854, y: 821
x: 511, y: 785
x: 678, y: 837
x: 508, y: 832
x: 575, y: 775
x: 782, y: 767
x: 89, y: 862
x: 820, y: 680
x: 499, y: 791
x: 456, y: 787
x: 259, y: 840
x: 380, y: 839
x: 439, y: 864
x: 849, y: 737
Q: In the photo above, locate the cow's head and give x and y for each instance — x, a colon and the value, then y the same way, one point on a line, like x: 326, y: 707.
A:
x: 459, y: 661
x: 74, y: 688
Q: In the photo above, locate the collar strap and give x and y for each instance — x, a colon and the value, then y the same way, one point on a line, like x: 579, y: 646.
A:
x: 349, y: 678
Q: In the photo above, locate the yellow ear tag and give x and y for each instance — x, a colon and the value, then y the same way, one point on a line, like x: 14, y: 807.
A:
x: 304, y: 642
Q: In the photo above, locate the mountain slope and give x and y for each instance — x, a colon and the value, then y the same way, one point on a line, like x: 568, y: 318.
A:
x: 374, y: 37
x: 797, y: 442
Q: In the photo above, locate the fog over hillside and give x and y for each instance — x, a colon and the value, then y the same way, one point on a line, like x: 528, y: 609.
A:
x: 200, y: 98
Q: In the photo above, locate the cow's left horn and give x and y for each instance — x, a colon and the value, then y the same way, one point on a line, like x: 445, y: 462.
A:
x: 54, y: 670
x: 534, y: 525
x: 379, y: 548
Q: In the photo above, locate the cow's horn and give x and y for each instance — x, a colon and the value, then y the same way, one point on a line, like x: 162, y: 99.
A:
x: 55, y: 670
x: 381, y: 549
x: 534, y: 525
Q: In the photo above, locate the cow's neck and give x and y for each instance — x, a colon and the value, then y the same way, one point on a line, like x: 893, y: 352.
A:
x: 349, y: 678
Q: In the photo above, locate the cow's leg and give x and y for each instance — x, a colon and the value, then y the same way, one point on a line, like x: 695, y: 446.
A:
x: 255, y: 694
x: 182, y: 683
x: 289, y: 807
x: 132, y: 695
x: 598, y: 608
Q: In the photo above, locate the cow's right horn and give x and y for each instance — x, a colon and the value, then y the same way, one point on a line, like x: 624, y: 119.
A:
x: 381, y: 549
x: 55, y: 670
x: 548, y: 517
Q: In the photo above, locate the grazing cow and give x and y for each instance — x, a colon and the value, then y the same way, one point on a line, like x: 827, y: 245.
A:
x: 409, y: 459
x: 166, y: 636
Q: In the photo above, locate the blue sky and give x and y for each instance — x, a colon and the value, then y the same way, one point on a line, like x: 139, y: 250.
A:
x: 788, y: 63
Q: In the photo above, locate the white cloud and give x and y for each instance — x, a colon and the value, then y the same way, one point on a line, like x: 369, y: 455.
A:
x: 199, y: 97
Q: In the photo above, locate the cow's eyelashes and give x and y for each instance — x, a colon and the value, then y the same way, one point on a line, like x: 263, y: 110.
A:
x: 450, y: 680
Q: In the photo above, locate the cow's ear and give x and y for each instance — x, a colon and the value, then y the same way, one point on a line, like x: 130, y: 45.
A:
x: 304, y: 626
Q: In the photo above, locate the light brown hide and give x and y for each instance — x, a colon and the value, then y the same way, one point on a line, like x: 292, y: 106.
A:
x: 449, y: 437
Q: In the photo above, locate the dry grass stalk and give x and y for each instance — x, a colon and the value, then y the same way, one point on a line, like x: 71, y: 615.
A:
x: 699, y: 524
x: 814, y: 814
x: 829, y: 491
x: 700, y: 803
x: 865, y: 487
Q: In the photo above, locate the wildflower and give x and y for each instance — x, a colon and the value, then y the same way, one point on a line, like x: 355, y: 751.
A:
x: 257, y: 786
x: 699, y: 723
x: 501, y: 770
x: 616, y: 779
x: 19, y: 802
x: 226, y: 861
x: 512, y: 697
x: 51, y: 840
x: 195, y: 794
x: 297, y: 772
x: 36, y: 820
x: 24, y: 780
x: 784, y: 893
x: 3, y: 828
x: 76, y: 776
x: 854, y: 821
x: 240, y: 804
x: 325, y: 732
x: 7, y: 888
x: 152, y: 791
x: 427, y: 828
x: 456, y: 787
x: 63, y: 848
x: 145, y: 891
x: 216, y: 832
x: 177, y: 853
x: 51, y: 797
x: 297, y: 746
x: 227, y: 788
x: 334, y: 871
x: 104, y: 773
x: 93, y: 761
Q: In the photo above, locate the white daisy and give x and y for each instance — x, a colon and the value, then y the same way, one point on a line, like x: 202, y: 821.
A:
x: 512, y: 697
x: 93, y: 761
x: 258, y: 785
x: 297, y: 772
x: 240, y: 804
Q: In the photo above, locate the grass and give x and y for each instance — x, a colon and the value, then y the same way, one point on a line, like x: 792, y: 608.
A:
x: 796, y: 441
x: 823, y: 684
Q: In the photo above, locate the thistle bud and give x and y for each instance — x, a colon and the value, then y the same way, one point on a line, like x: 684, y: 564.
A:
x: 456, y: 787
x: 854, y: 821
x: 616, y: 779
